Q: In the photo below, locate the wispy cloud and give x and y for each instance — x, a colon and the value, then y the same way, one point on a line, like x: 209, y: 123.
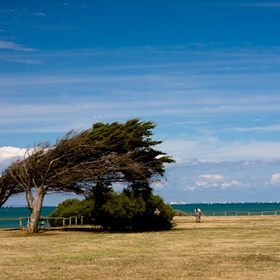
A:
x: 275, y: 127
x: 275, y: 179
x: 14, y: 46
x: 215, y: 181
x: 261, y: 5
x: 57, y: 117
x: 225, y: 180
x: 71, y: 79
x: 22, y: 60
x: 215, y: 149
x: 40, y: 14
x: 212, y: 177
x: 14, y: 13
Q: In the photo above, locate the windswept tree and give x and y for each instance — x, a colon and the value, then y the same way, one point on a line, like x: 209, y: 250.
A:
x: 44, y: 169
x: 81, y: 162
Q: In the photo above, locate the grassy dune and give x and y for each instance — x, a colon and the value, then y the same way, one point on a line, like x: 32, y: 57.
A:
x: 218, y: 248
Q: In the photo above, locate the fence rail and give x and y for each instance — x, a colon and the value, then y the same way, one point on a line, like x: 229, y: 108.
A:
x: 79, y: 220
x: 44, y: 221
x: 230, y: 213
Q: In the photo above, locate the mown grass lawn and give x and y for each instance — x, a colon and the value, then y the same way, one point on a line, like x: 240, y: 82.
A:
x: 218, y: 248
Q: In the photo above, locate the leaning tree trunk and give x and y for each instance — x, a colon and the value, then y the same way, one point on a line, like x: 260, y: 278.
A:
x: 33, y: 226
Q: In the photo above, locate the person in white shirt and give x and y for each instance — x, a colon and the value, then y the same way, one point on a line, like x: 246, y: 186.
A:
x: 197, y: 214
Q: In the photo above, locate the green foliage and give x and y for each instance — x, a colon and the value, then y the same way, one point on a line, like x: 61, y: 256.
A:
x: 71, y: 208
x: 129, y: 211
x: 126, y: 211
x: 133, y: 137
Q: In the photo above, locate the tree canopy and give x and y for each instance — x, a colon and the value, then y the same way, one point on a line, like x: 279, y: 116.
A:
x: 8, y: 187
x: 78, y: 162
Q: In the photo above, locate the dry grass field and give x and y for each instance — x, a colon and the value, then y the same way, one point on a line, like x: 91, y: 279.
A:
x: 218, y: 248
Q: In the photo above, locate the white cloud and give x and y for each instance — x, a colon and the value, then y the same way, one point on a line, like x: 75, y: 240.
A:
x: 201, y: 183
x: 211, y: 148
x: 8, y: 155
x: 40, y: 14
x: 262, y: 5
x: 275, y: 127
x: 212, y: 177
x: 208, y: 181
x: 275, y: 179
x: 215, y: 181
x: 189, y: 188
x: 158, y: 185
x: 14, y: 46
x: 226, y: 185
x: 10, y: 152
x: 20, y: 60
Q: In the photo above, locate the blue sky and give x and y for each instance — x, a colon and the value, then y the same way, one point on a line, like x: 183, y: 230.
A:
x: 207, y: 72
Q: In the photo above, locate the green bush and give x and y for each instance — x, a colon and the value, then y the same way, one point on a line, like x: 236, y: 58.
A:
x: 129, y: 212
x: 73, y: 207
x: 126, y: 211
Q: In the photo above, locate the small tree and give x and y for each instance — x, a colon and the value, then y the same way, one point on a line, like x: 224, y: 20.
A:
x: 128, y: 211
x: 73, y: 207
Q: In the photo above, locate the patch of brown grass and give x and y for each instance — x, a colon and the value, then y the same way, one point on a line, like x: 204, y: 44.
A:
x: 218, y: 248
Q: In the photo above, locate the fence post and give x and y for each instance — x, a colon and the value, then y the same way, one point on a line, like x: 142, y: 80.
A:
x: 82, y: 220
x: 20, y: 223
x: 43, y: 224
x: 76, y: 220
x: 63, y: 222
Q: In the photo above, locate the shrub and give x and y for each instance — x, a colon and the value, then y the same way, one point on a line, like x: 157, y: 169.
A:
x: 129, y: 212
x: 126, y: 211
x: 72, y: 207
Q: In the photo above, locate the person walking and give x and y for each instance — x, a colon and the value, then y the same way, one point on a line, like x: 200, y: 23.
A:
x: 197, y: 214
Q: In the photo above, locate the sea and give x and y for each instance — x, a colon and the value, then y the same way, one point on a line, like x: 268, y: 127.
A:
x: 208, y: 209
x: 230, y: 208
x: 16, y: 212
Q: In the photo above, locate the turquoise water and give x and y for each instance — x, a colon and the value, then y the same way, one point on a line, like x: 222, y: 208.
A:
x: 231, y: 209
x: 19, y: 212
x: 217, y: 209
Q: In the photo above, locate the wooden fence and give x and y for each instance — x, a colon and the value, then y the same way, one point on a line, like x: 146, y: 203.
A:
x: 231, y: 213
x: 44, y: 221
x: 79, y: 220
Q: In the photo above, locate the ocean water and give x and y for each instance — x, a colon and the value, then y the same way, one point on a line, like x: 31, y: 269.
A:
x: 231, y: 209
x: 211, y: 209
x: 19, y: 212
